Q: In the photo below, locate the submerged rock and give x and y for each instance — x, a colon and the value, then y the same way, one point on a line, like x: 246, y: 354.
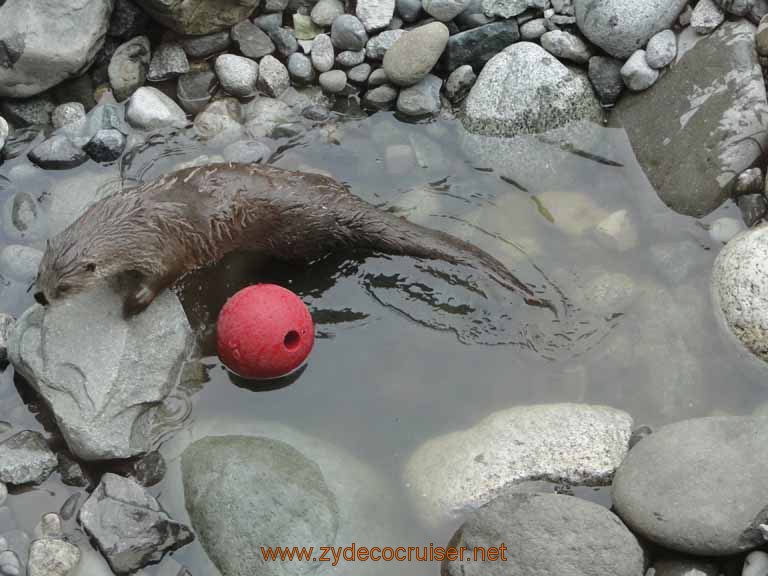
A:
x: 422, y: 98
x: 128, y: 67
x: 573, y: 443
x: 198, y: 17
x: 129, y: 526
x: 150, y: 109
x: 703, y: 122
x: 57, y: 153
x: 26, y: 458
x: 478, y: 45
x: 103, y: 377
x: 52, y: 557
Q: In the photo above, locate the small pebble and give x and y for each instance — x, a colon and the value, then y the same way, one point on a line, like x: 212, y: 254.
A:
x: 168, y: 61
x: 333, y: 81
x: 304, y: 28
x: 300, y: 68
x: 9, y: 563
x: 459, y: 83
x: 285, y: 41
x: 637, y: 74
x: 723, y: 229
x: 326, y: 11
x: 273, y: 77
x: 195, y: 90
x: 251, y: 40
x: 348, y: 33
x: 128, y: 67
x: 381, y: 97
x: 378, y: 45
x: 71, y: 114
x: 661, y: 49
x: 106, y: 145
x: 444, y: 10
x: 755, y: 564
x: 409, y: 10
x: 203, y: 46
x: 706, y: 17
x: 566, y: 46
x: 269, y: 22
x: 57, y: 153
x: 350, y: 58
x: 322, y: 53
x: 377, y: 78
x: 237, y: 74
x: 421, y: 99
x: 50, y: 526
x: 533, y: 29
x: 748, y: 182
x: 70, y: 506
x: 360, y: 73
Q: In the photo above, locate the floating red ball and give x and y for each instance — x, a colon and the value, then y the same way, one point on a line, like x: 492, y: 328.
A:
x: 264, y: 331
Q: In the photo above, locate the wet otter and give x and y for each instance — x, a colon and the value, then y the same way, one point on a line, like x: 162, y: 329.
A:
x: 154, y: 234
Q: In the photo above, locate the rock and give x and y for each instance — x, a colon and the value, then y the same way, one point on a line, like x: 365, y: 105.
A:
x: 148, y: 470
x: 348, y: 33
x: 263, y: 115
x: 9, y: 563
x: 378, y: 45
x: 106, y: 145
x: 168, y: 61
x: 761, y: 38
x: 237, y: 75
x: 753, y: 208
x: 150, y: 109
x: 71, y: 115
x: 28, y: 112
x: 195, y: 89
x: 749, y: 181
x: 359, y: 74
x: 533, y: 29
x: 326, y: 11
x: 693, y: 141
x: 621, y: 27
x: 415, y: 53
x: 661, y: 49
x: 409, y: 10
x: 724, y: 229
x: 316, y: 113
x: 333, y: 81
x: 199, y: 47
x: 304, y: 28
x: 572, y: 443
x: 7, y: 322
x: 116, y: 373
x: 44, y: 43
x: 375, y: 14
x: 566, y: 46
x: 381, y: 97
x: 25, y: 458
x: 128, y: 67
x: 686, y: 505
x: 444, y: 10
x: 220, y: 119
x: 300, y: 68
x: 706, y: 16
x: 247, y: 151
x: 755, y: 564
x: 322, y: 53
x: 129, y: 526
x: 637, y: 74
x: 377, y: 78
x: 69, y: 197
x: 525, y: 90
x: 617, y: 231
x: 736, y: 7
x: 199, y: 17
x: 4, y: 131
x: 605, y: 76
x: 3, y: 493
x: 269, y: 22
x: 676, y: 567
x: 251, y: 40
x: 350, y: 58
x: 72, y: 473
x: 127, y: 21
x: 420, y: 99
x: 285, y: 41
x: 546, y: 534
x: 21, y: 216
x: 19, y: 263
x: 52, y: 557
x: 505, y: 8
x: 57, y: 153
x: 477, y: 46
x: 105, y: 117
x: 273, y: 77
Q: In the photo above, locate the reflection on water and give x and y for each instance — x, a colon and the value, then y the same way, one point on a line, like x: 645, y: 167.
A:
x: 406, y: 349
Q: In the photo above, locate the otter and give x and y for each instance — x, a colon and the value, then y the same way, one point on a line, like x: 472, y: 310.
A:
x: 151, y: 235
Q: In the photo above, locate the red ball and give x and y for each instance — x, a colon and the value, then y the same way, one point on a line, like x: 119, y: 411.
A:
x: 264, y: 331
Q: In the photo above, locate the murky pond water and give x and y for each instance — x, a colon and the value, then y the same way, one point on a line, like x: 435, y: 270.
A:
x: 404, y: 353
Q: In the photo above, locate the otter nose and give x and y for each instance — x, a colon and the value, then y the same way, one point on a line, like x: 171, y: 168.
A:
x: 41, y: 299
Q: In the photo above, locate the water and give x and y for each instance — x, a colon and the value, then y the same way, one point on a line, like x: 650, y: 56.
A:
x: 405, y: 353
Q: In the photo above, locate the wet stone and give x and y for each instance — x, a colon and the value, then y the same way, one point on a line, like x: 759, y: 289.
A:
x: 333, y: 81
x: 753, y: 208
x: 128, y: 67
x: 148, y: 470
x: 25, y: 458
x: 23, y: 212
x: 168, y: 61
x: 348, y: 33
x: 326, y: 11
x: 247, y: 152
x: 18, y: 142
x: 251, y: 40
x: 285, y: 41
x: 478, y: 45
x: 381, y: 98
x: 34, y: 111
x: 104, y: 117
x: 237, y: 75
x: 316, y: 113
x: 57, y: 153
x: 605, y: 76
x: 203, y: 46
x: 195, y: 89
x: 322, y: 53
x: 350, y: 58
x: 71, y: 114
x: 106, y: 145
x: 748, y: 182
x: 273, y: 77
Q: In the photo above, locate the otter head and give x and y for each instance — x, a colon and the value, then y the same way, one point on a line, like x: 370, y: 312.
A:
x: 66, y: 269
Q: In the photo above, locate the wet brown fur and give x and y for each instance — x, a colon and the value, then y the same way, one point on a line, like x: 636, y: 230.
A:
x: 156, y: 233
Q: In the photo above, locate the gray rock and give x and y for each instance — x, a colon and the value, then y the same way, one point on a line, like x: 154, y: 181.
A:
x: 533, y: 29
x: 247, y: 151
x: 546, y: 534
x: 71, y: 115
x: 472, y: 16
x: 378, y: 45
x: 4, y: 131
x: 52, y: 557
x: 292, y: 506
x: 220, y: 119
x: 621, y: 27
x: 69, y: 197
x: 661, y: 49
x: 761, y: 38
x: 268, y: 112
x: 195, y: 89
x: 300, y: 68
x: 127, y: 21
x: 128, y: 67
x: 275, y: 5
x: 348, y: 33
x: 381, y: 97
x: 572, y: 443
x: 736, y: 7
x: 322, y: 53
x: 666, y: 493
x: 753, y: 208
x: 422, y: 98
x: 19, y: 262
x: 525, y: 90
x: 444, y: 10
x: 375, y: 14
x: 637, y: 74
x: 706, y: 16
x: 409, y: 10
x: 749, y: 181
x: 377, y: 78
x: 350, y: 58
x: 106, y: 145
x: 203, y: 46
x: 755, y: 564
x: 566, y: 46
x: 251, y: 40
x: 46, y: 42
x: 605, y: 76
x: 459, y: 83
x: 269, y: 22
x: 316, y: 113
x: 57, y: 153
x: 693, y: 141
x: 333, y: 81
x: 150, y: 109
x: 325, y: 12
x: 34, y: 111
x: 505, y: 8
x: 10, y: 565
x: 273, y: 77
x: 25, y: 458
x: 477, y: 46
x: 104, y: 117
x: 129, y: 526
x: 285, y: 41
x: 415, y: 53
x: 238, y: 75
x: 20, y: 216
x: 199, y: 17
x: 168, y: 61
x: 116, y: 373
x: 7, y: 322
x: 360, y: 73
x: 676, y: 567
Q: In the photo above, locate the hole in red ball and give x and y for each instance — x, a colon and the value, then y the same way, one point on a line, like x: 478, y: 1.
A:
x: 291, y: 340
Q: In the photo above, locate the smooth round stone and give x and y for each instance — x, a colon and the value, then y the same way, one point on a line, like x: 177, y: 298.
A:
x: 359, y: 74
x: 57, y: 153
x: 377, y: 78
x: 251, y: 40
x: 285, y: 41
x: 566, y: 46
x: 195, y: 89
x: 247, y: 152
x: 724, y: 229
x: 421, y: 99
x: 237, y: 75
x: 409, y: 10
x: 326, y: 11
x: 128, y: 67
x: 71, y: 114
x: 605, y: 76
x: 304, y: 28
x: 533, y: 29
x: 459, y: 83
x: 322, y: 53
x: 444, y: 10
x: 273, y: 77
x: 668, y: 491
x: 221, y: 118
x: 19, y: 262
x: 415, y: 53
x: 381, y: 97
x: 300, y: 68
x: 350, y: 58
x: 269, y: 22
x: 348, y: 33
x: 203, y: 46
x: 661, y: 49
x: 106, y: 145
x: 755, y: 564
x: 49, y: 526
x: 637, y: 74
x: 379, y: 44
x: 333, y: 81
x: 149, y: 109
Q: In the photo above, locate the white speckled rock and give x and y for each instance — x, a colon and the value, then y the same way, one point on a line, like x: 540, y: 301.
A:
x: 637, y: 74
x: 149, y: 109
x: 525, y: 90
x: 375, y: 14
x: 620, y: 27
x: 661, y: 49
x: 444, y: 10
x: 273, y: 77
x: 463, y: 470
x: 238, y: 75
x: 52, y: 557
x: 706, y: 16
x: 566, y: 46
x: 322, y: 53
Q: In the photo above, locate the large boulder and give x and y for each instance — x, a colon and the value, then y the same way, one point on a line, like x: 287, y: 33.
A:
x: 45, y: 42
x: 102, y: 376
x: 525, y: 90
x: 703, y: 122
x: 622, y: 26
x: 198, y: 17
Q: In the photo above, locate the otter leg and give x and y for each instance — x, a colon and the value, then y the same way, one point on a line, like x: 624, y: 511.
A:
x: 142, y: 292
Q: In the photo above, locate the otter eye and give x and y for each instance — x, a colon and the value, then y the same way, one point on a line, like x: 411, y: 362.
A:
x: 63, y: 288
x: 90, y: 267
